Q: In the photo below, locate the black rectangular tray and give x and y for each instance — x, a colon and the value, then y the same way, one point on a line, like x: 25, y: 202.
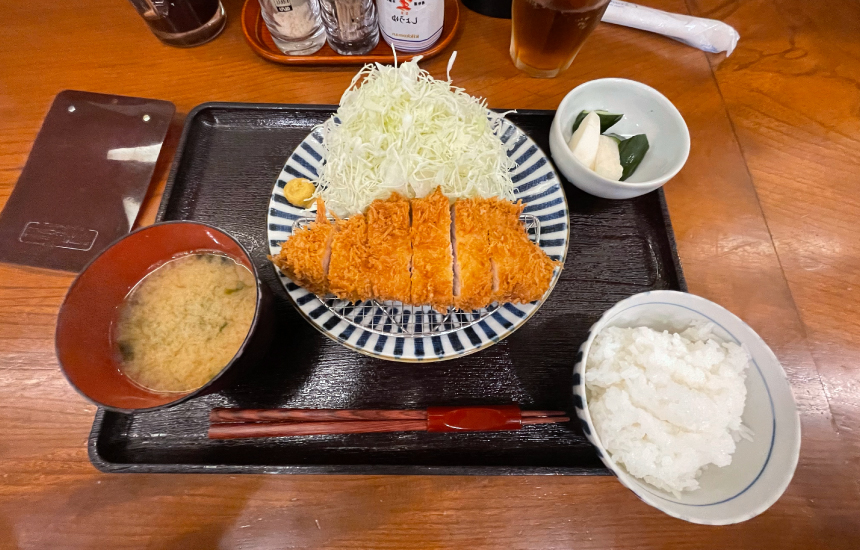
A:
x: 228, y: 160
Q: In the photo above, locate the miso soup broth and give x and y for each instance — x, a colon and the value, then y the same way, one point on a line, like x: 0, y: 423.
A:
x: 184, y: 321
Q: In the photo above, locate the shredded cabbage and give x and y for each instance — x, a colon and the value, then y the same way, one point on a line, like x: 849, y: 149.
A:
x: 399, y: 129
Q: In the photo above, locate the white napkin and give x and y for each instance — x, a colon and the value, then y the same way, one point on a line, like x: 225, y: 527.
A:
x: 706, y: 34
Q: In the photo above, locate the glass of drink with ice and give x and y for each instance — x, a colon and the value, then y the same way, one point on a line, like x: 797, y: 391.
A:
x: 547, y: 34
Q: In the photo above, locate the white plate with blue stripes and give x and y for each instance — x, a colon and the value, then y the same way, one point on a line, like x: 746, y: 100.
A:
x: 395, y: 332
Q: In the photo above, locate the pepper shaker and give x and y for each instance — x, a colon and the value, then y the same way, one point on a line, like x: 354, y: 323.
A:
x: 351, y: 25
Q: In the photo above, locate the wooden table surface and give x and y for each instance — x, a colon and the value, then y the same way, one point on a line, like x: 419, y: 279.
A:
x: 765, y: 214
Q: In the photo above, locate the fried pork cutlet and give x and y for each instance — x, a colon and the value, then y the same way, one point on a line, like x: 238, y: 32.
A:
x: 521, y: 271
x: 473, y: 279
x: 304, y: 257
x: 389, y: 247
x: 348, y: 269
x: 469, y: 256
x: 432, y: 277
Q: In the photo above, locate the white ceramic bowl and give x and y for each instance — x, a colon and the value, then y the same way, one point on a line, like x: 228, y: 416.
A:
x: 761, y: 469
x: 646, y: 111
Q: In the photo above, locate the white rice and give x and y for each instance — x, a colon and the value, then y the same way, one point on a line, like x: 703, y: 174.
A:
x: 667, y: 405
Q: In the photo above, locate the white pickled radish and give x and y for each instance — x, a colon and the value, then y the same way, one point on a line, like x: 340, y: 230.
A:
x: 607, y: 162
x: 584, y: 141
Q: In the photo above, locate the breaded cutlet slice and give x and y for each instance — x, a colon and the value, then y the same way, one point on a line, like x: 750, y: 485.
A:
x: 389, y: 246
x: 304, y: 257
x: 473, y: 279
x: 432, y: 275
x: 521, y: 271
x: 348, y: 269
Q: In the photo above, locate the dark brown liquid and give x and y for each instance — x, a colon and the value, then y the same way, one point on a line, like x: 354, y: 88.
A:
x: 177, y: 16
x: 547, y: 34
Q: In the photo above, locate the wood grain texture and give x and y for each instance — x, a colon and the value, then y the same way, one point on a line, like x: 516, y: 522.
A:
x: 793, y: 93
x: 774, y: 137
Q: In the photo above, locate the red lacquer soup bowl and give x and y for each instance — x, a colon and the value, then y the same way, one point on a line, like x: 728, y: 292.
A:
x: 84, y: 347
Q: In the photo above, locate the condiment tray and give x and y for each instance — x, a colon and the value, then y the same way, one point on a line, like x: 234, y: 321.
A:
x: 260, y: 40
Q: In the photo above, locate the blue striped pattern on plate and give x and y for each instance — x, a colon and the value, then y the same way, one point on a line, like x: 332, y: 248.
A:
x: 368, y: 327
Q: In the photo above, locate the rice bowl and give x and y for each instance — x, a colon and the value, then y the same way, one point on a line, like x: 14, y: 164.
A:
x: 667, y: 405
x: 761, y: 469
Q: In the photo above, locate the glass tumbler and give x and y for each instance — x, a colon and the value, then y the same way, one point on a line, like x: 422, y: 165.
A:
x: 547, y: 34
x: 351, y: 25
x: 182, y: 22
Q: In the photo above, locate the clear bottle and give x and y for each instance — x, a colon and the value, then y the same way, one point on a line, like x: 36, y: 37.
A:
x: 351, y: 25
x: 295, y: 25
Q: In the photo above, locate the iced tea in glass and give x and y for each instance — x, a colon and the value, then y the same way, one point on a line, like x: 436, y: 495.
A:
x: 547, y: 34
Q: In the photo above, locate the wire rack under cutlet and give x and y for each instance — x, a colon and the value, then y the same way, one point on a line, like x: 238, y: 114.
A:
x: 399, y: 319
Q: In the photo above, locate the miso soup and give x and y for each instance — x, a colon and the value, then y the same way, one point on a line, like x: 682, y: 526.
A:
x: 185, y: 321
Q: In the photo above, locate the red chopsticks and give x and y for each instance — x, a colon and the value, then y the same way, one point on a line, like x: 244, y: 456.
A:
x: 250, y: 423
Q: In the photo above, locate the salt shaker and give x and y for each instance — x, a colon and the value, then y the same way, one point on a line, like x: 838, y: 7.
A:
x: 411, y: 25
x: 295, y: 25
x: 351, y: 25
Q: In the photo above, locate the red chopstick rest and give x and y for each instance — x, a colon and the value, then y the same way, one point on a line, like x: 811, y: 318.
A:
x: 484, y: 419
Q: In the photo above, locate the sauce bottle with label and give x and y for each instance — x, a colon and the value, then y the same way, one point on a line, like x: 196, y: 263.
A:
x: 411, y: 25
